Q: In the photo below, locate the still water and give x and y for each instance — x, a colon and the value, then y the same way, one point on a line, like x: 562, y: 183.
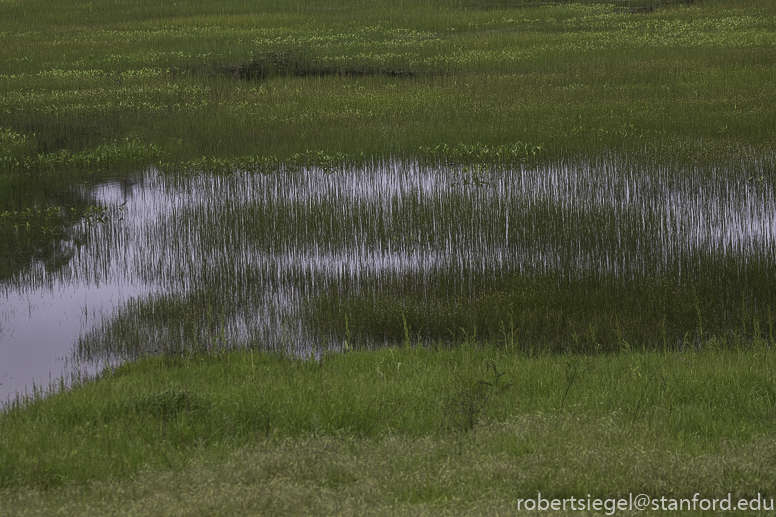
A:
x: 246, y: 251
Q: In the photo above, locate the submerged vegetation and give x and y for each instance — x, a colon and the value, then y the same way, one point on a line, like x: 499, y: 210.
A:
x: 370, y: 224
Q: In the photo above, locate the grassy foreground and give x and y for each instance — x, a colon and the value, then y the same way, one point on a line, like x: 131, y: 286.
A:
x: 407, y: 430
x: 93, y: 91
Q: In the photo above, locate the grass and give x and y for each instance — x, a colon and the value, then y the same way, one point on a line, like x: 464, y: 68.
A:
x: 596, y: 175
x: 583, y: 315
x: 394, y: 426
x: 383, y: 81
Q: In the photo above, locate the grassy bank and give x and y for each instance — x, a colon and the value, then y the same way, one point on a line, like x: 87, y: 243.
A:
x: 401, y: 429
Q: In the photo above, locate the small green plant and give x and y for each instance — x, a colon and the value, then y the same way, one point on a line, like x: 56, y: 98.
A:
x: 656, y: 374
x: 572, y: 372
x: 14, y: 148
x: 465, y: 407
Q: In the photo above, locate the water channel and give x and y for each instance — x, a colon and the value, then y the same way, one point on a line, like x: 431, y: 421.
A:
x: 247, y: 251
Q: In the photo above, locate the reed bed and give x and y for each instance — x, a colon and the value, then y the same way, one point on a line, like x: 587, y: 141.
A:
x: 578, y: 176
x: 578, y: 257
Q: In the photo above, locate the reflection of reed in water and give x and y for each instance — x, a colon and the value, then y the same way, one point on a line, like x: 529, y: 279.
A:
x: 127, y: 187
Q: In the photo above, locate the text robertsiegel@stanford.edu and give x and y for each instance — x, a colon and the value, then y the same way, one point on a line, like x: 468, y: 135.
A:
x: 644, y: 502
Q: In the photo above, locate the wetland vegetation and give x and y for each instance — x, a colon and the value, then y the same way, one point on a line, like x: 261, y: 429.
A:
x: 517, y: 198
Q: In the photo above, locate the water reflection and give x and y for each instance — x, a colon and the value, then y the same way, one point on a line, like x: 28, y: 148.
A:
x: 207, y: 261
x: 48, y: 297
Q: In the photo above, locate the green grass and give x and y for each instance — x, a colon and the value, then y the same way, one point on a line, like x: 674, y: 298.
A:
x: 441, y: 429
x: 568, y: 382
x: 382, y: 81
